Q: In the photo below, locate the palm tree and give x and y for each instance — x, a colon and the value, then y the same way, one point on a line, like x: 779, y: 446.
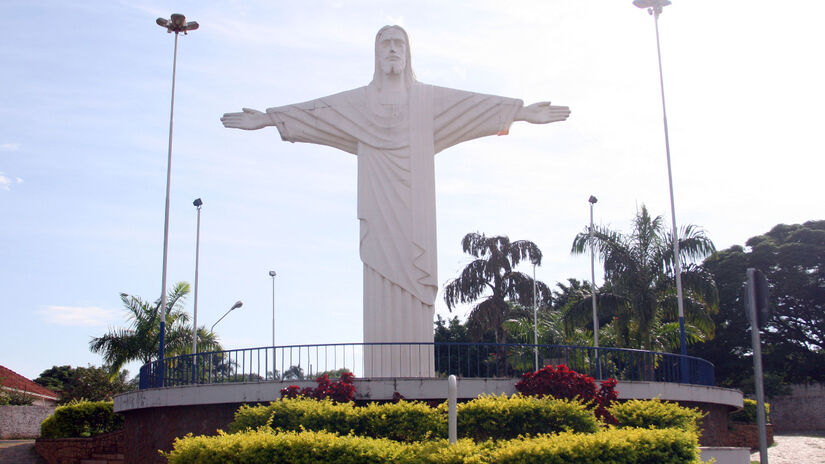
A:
x: 141, y: 340
x: 639, y: 298
x: 491, y: 277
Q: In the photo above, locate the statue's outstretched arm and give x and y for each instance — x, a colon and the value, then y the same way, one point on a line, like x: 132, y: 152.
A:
x: 542, y: 113
x: 248, y: 119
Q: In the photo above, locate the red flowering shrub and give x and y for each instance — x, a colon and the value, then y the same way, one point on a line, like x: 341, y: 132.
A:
x: 340, y: 391
x: 563, y: 382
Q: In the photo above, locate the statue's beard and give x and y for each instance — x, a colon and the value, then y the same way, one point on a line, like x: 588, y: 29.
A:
x: 392, y: 67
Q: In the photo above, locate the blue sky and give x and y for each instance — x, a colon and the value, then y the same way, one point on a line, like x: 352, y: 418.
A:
x: 85, y: 106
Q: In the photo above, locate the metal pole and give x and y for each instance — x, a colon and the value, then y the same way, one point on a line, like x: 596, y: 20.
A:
x: 197, y: 257
x: 757, y: 367
x: 677, y: 267
x: 592, y: 201
x: 166, y: 214
x: 535, y: 322
x: 272, y: 274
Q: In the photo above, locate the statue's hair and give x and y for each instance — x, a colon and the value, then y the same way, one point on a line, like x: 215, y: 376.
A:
x: 409, y: 75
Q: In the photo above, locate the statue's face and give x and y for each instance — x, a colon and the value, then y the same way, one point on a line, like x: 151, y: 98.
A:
x: 392, y: 52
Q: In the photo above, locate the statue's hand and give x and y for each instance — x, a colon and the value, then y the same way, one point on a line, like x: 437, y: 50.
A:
x: 248, y: 119
x: 543, y: 113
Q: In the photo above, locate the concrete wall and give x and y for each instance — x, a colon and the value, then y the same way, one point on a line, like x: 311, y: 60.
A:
x: 801, y: 411
x: 22, y: 421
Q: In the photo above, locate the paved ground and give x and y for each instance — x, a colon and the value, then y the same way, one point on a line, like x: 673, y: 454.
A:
x: 19, y: 452
x: 807, y: 448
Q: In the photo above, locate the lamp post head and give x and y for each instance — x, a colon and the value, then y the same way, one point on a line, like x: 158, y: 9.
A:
x: 271, y: 273
x: 198, y: 202
x: 177, y: 24
x: 592, y: 200
x: 653, y: 6
x: 237, y: 305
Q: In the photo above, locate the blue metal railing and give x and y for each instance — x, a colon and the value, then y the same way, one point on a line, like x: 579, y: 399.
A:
x: 306, y: 362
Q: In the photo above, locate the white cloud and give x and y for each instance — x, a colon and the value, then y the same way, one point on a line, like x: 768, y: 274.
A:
x: 9, y: 146
x: 84, y: 316
x: 6, y: 182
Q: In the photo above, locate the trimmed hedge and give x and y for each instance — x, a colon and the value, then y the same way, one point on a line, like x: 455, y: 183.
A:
x: 670, y: 446
x: 748, y: 412
x: 486, y: 417
x: 656, y: 414
x: 503, y: 417
x: 81, y: 419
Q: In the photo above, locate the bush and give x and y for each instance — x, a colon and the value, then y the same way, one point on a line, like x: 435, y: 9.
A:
x: 402, y: 421
x: 748, y: 412
x: 502, y: 417
x: 669, y: 446
x: 625, y: 446
x: 564, y: 383
x: 656, y: 414
x: 340, y: 391
x: 15, y: 398
x: 81, y: 419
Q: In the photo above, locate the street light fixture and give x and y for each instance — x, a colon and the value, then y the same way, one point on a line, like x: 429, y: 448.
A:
x: 177, y: 24
x: 654, y: 8
x: 198, y: 203
x: 235, y: 306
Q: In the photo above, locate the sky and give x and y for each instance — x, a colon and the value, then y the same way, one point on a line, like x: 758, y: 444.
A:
x: 85, y: 97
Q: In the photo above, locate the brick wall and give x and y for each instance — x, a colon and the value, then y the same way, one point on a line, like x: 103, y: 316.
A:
x: 741, y: 434
x: 102, y: 449
x: 801, y: 411
x: 22, y: 421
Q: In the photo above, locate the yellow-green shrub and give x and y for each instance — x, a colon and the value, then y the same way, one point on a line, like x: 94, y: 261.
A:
x: 656, y: 414
x: 620, y: 446
x: 616, y: 446
x: 265, y: 446
x: 748, y: 412
x: 81, y: 419
x: 404, y: 421
x: 502, y: 417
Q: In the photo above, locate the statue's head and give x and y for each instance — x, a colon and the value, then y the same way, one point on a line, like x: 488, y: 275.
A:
x: 392, y: 54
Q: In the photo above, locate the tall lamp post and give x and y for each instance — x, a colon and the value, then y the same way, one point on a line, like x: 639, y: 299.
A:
x: 198, y: 203
x: 654, y: 8
x: 176, y: 24
x: 535, y: 322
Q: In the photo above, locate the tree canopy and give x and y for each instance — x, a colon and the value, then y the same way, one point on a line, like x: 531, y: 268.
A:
x: 793, y: 259
x: 638, y: 300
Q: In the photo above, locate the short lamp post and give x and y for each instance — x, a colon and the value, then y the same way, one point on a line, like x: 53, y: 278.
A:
x: 592, y: 200
x: 198, y: 203
x: 273, y: 274
x: 176, y: 24
x: 654, y: 8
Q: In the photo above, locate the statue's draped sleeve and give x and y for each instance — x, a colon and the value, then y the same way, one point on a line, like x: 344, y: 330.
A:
x: 461, y: 116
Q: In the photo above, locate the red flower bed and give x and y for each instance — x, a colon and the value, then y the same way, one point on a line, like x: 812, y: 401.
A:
x: 340, y: 391
x: 562, y: 382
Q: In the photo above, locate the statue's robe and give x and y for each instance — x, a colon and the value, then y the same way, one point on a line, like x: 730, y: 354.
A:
x: 396, y: 145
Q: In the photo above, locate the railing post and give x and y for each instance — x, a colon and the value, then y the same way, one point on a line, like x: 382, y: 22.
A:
x: 452, y: 421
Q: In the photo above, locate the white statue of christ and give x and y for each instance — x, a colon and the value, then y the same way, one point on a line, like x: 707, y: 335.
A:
x: 395, y: 125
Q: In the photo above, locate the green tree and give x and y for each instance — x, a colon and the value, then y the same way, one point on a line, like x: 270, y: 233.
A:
x: 793, y: 259
x: 492, y: 278
x: 639, y: 299
x: 90, y: 383
x: 141, y: 340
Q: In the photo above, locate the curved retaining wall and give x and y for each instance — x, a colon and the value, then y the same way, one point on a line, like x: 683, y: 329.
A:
x: 155, y: 417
